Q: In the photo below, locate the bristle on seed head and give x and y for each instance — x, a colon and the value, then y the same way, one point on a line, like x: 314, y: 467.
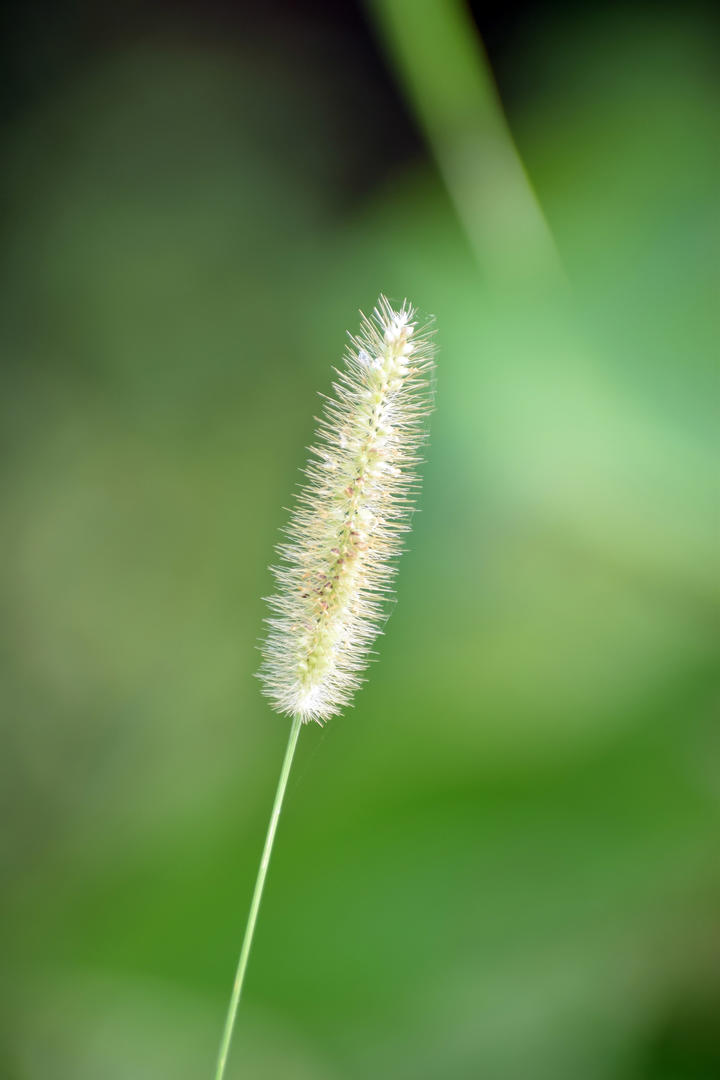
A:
x: 347, y: 527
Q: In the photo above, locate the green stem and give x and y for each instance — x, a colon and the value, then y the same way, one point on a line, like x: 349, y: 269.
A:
x: 439, y: 58
x: 257, y: 897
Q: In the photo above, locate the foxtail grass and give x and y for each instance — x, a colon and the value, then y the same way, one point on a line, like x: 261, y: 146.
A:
x: 338, y: 561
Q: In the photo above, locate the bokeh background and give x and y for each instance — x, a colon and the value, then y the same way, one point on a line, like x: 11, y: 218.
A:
x: 503, y: 862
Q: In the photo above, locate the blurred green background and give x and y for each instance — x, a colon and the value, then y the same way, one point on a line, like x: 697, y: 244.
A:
x: 503, y: 862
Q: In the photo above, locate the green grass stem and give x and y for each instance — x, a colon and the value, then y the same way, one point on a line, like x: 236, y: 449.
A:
x: 438, y: 56
x: 256, y: 898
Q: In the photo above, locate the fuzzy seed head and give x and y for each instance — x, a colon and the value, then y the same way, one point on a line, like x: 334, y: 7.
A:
x: 347, y: 527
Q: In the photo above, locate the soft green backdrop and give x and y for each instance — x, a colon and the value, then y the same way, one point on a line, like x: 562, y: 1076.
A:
x: 503, y: 862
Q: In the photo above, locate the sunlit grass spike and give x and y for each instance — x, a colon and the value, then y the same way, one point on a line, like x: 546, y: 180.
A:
x: 346, y: 530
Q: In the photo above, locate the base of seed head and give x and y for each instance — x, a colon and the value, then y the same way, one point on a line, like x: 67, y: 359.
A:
x: 338, y: 563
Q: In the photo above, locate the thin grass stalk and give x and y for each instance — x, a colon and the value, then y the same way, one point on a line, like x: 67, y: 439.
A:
x: 256, y: 899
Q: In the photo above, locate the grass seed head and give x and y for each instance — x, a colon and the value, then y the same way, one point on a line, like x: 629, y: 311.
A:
x: 338, y: 563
